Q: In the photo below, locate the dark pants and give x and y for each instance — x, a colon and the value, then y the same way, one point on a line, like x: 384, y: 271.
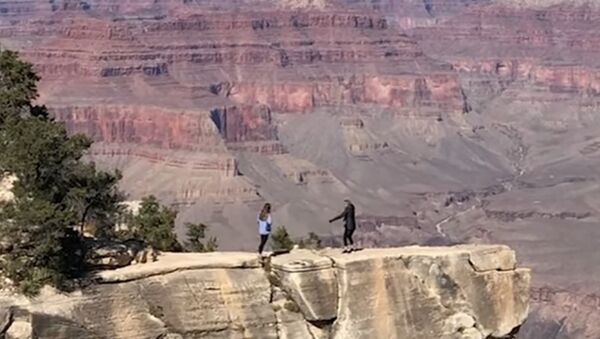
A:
x: 348, y: 236
x: 263, y: 241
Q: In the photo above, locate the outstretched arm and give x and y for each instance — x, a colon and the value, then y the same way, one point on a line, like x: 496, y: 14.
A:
x: 339, y: 216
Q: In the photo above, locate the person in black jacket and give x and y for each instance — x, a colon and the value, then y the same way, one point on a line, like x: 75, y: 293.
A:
x: 349, y: 225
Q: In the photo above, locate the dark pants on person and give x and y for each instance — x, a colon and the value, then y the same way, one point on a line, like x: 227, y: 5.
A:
x: 263, y: 241
x: 348, y: 236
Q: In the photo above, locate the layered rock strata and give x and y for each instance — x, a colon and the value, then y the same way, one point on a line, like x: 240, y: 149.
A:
x: 181, y: 91
x: 414, y: 292
x: 546, y: 49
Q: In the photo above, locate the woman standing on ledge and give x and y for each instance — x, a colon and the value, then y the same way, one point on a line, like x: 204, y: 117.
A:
x: 264, y: 226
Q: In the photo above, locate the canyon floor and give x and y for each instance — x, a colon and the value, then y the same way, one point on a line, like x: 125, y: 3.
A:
x: 445, y: 121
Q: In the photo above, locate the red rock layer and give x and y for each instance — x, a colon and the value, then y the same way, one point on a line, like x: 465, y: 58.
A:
x: 554, y: 46
x: 559, y: 78
x: 254, y: 62
x: 173, y: 82
x: 150, y: 126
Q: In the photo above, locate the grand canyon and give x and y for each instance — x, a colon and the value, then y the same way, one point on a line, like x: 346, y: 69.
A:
x: 444, y: 121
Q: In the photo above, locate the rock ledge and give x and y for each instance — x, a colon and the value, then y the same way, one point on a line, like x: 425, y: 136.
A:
x: 466, y: 292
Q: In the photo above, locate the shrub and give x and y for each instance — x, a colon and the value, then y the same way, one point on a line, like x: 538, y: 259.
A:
x: 280, y: 239
x: 155, y: 224
x: 312, y: 242
x: 195, y: 235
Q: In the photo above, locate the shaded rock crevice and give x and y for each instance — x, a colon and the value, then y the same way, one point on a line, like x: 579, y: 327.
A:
x: 6, y: 320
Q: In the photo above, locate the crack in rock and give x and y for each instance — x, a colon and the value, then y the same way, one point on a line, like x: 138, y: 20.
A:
x: 6, y: 320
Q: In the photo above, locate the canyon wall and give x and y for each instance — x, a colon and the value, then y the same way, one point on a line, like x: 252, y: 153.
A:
x: 445, y: 121
x: 193, y: 84
x: 533, y: 53
x: 413, y: 292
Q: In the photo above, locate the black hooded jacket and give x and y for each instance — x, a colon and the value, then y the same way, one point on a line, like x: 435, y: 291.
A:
x: 348, y: 216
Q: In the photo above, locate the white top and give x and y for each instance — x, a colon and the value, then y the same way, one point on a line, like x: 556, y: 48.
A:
x: 264, y: 226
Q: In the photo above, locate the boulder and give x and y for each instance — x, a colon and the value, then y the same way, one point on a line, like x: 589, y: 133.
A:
x: 492, y: 258
x: 20, y: 327
x: 309, y: 278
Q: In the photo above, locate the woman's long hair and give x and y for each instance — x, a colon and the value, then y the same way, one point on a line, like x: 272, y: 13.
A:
x: 264, y: 213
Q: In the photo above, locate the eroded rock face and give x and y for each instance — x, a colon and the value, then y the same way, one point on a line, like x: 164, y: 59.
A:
x: 310, y: 280
x: 411, y: 292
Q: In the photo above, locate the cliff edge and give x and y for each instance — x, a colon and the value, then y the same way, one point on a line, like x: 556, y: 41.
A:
x: 470, y: 291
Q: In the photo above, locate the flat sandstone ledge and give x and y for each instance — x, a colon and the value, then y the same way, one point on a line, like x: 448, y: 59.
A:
x: 173, y: 262
x: 482, y: 258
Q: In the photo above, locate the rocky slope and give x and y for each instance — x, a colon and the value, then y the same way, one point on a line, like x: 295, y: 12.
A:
x: 414, y: 292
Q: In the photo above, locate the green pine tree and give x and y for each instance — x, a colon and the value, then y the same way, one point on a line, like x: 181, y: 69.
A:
x: 55, y: 191
x: 280, y: 239
x: 155, y: 224
x: 195, y: 235
x: 18, y: 86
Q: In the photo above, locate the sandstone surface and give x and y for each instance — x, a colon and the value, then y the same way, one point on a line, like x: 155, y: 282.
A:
x: 413, y: 292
